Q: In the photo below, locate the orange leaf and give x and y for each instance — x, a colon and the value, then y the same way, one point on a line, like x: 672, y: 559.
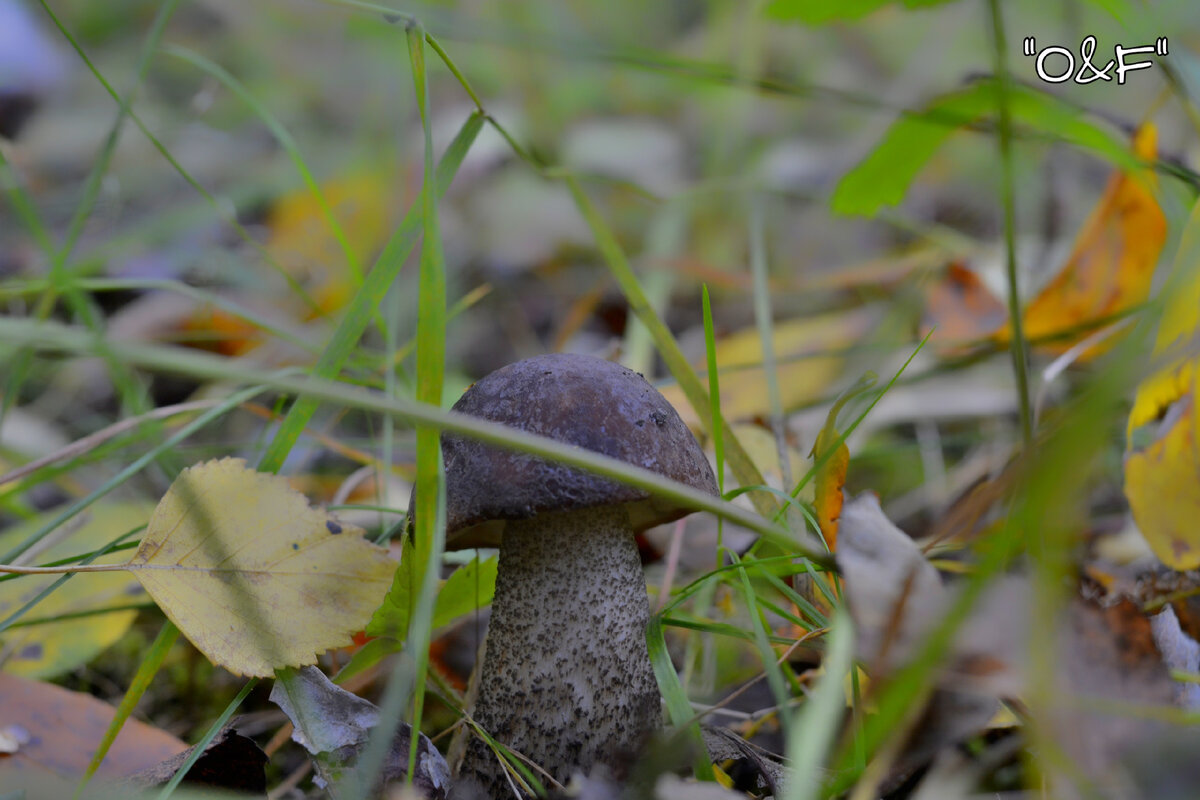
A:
x: 1111, y: 266
x: 230, y: 335
x: 960, y: 308
x: 830, y: 480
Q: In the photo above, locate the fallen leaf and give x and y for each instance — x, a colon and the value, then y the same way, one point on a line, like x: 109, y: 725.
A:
x: 830, y: 478
x: 469, y: 588
x: 1102, y: 654
x: 334, y: 725
x: 1162, y: 449
x: 52, y: 648
x: 1106, y: 654
x: 253, y: 576
x: 894, y: 594
x: 231, y: 761
x: 808, y: 355
x: 724, y: 744
x: 304, y: 244
x: 1109, y: 270
x: 1112, y: 263
x: 64, y: 728
x: 960, y: 309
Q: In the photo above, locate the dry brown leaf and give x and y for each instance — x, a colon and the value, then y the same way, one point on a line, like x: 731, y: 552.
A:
x: 64, y: 728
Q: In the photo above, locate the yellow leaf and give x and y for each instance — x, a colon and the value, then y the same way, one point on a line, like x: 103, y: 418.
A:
x: 759, y: 443
x: 1112, y: 262
x: 251, y: 574
x: 1162, y: 455
x: 808, y: 358
x: 305, y: 246
x: 49, y: 649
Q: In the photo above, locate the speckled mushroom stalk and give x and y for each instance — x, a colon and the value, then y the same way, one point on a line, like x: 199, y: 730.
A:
x: 568, y: 677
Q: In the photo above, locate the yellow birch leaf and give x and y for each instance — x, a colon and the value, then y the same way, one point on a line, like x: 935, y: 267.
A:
x: 251, y: 574
x: 1112, y: 263
x: 52, y: 648
x: 1162, y: 451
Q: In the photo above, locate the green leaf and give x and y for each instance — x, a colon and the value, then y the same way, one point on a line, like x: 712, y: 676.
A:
x: 883, y: 177
x: 367, y: 298
x: 817, y: 12
x: 468, y: 589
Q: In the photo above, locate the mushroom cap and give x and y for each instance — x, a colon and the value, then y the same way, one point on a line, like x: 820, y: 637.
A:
x: 581, y: 400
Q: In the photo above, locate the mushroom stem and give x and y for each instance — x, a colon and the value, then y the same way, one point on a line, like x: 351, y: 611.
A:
x: 566, y: 677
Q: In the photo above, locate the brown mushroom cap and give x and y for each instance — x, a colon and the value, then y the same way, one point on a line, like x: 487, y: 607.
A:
x: 581, y: 400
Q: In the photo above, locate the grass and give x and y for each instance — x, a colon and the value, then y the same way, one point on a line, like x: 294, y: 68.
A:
x: 834, y: 759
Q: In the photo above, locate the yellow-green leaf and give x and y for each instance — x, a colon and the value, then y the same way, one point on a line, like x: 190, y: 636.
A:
x: 1162, y: 455
x: 52, y: 648
x: 254, y: 577
x: 469, y: 588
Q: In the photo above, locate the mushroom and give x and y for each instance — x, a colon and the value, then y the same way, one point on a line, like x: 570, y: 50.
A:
x: 566, y: 678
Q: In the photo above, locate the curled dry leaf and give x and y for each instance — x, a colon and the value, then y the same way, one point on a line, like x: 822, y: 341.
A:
x: 1109, y: 654
x: 253, y: 576
x: 334, y: 725
x: 231, y: 761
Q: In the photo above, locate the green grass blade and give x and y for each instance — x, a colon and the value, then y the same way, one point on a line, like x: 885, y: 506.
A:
x: 429, y: 533
x: 53, y: 337
x: 743, y: 467
x: 812, y: 729
x: 147, y: 669
x: 206, y: 739
x: 1004, y: 136
x: 679, y: 708
x: 366, y: 299
x: 24, y: 207
x: 285, y: 139
x: 714, y: 392
x: 775, y: 677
